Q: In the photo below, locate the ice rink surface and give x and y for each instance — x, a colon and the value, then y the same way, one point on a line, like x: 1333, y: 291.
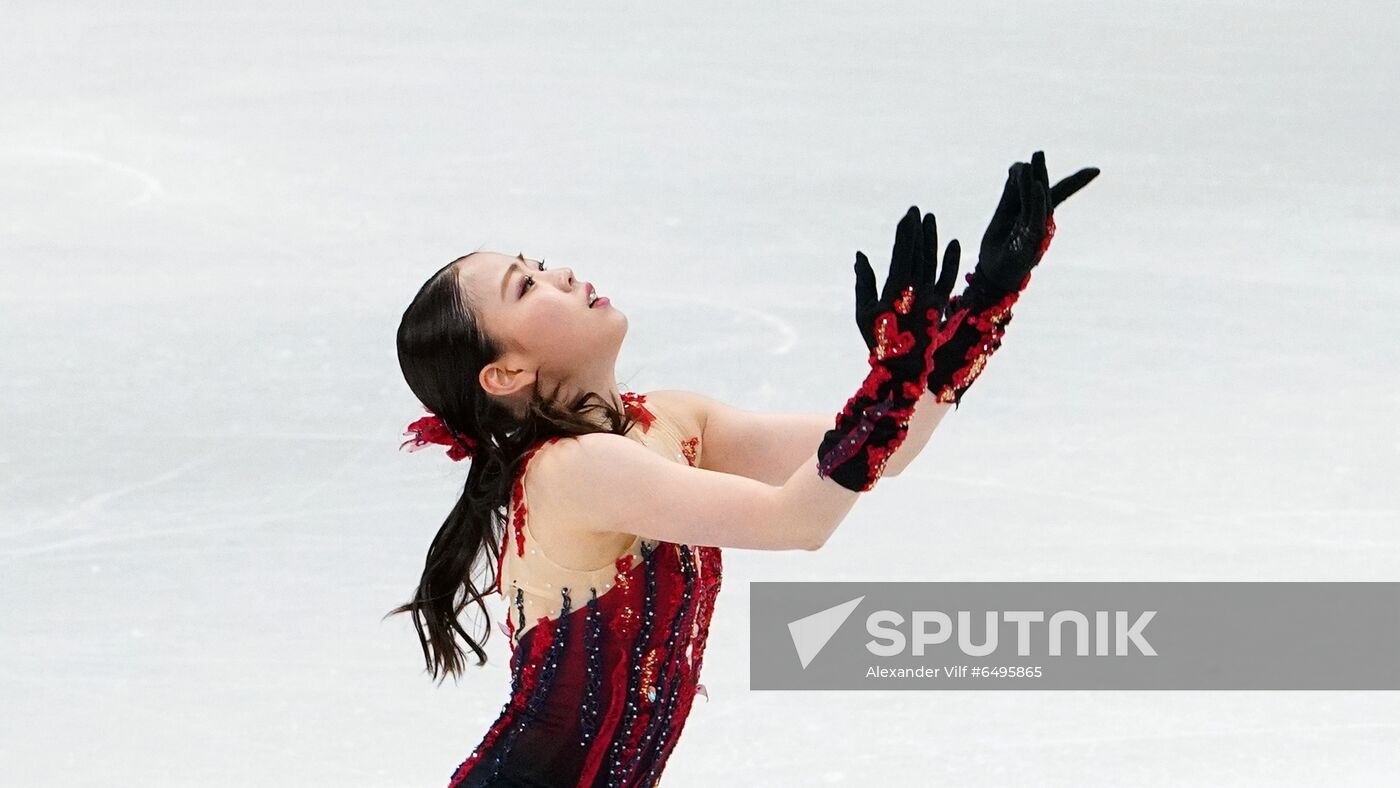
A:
x: 211, y: 219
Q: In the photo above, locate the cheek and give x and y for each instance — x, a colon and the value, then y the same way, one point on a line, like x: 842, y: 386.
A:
x: 556, y: 321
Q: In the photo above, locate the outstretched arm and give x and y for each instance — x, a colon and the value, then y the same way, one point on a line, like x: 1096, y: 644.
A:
x: 769, y: 447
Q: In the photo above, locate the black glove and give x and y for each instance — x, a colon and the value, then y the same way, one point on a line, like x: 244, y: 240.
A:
x: 1014, y: 243
x: 868, y: 305
x: 899, y: 327
x: 1023, y: 223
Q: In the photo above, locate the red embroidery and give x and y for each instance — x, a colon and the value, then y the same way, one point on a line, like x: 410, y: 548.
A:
x: 634, y: 405
x: 905, y: 302
x: 519, y: 522
x: 689, y: 449
x: 877, y: 377
x: 889, y: 340
x: 624, y: 623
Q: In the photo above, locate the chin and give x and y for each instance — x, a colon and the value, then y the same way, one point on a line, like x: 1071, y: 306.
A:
x: 621, y: 318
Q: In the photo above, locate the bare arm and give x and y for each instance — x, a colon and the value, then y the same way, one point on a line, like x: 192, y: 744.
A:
x: 928, y: 413
x: 770, y: 447
x: 614, y: 484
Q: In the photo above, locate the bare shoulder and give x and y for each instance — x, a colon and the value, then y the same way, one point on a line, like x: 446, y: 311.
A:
x: 561, y: 484
x: 578, y: 462
x: 585, y: 476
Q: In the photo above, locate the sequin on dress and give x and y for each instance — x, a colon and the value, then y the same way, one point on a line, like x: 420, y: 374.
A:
x: 605, y: 662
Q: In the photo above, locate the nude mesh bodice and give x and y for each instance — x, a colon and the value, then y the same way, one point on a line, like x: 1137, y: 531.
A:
x: 538, y: 577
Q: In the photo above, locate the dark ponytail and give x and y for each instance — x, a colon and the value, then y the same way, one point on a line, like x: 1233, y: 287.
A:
x: 442, y: 350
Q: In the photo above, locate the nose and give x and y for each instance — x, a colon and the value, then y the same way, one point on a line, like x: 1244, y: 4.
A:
x: 569, y: 277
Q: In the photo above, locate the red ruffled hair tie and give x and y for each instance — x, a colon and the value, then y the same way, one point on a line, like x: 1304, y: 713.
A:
x: 430, y: 429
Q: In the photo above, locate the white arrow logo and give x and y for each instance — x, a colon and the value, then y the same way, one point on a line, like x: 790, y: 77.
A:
x: 810, y: 634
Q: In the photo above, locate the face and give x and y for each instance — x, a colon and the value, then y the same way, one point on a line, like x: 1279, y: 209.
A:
x: 543, y: 319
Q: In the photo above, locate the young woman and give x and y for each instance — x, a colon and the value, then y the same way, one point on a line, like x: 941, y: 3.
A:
x: 599, y: 513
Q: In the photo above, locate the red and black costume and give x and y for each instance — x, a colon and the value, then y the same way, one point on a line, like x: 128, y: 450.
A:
x: 602, y: 681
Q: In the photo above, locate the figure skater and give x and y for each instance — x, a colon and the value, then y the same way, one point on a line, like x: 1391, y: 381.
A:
x: 607, y: 555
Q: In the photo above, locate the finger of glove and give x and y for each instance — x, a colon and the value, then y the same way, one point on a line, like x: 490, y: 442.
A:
x: 1005, y: 214
x: 1025, y: 182
x: 1038, y: 205
x: 865, y: 283
x: 1038, y: 167
x: 1062, y: 190
x: 906, y: 247
x: 949, y: 276
x: 928, y: 258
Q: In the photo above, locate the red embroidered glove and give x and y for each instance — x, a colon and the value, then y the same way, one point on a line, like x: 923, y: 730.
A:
x: 1015, y: 241
x: 900, y: 328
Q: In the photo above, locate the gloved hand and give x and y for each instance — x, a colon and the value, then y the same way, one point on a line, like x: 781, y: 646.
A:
x: 868, y: 305
x: 1024, y: 223
x: 900, y: 328
x: 1014, y: 243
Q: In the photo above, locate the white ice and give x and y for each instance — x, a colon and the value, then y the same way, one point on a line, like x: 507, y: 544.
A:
x: 212, y: 216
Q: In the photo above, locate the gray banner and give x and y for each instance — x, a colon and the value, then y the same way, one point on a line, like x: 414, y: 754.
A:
x: 969, y: 636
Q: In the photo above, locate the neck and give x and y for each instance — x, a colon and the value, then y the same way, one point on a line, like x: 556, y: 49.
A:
x: 604, y: 385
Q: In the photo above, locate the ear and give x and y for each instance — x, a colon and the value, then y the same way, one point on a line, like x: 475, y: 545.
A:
x: 502, y: 377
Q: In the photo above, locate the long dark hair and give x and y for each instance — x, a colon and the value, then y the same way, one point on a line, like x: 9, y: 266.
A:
x: 442, y: 349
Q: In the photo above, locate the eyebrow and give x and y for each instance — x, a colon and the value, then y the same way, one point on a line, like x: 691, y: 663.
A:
x: 505, y: 280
